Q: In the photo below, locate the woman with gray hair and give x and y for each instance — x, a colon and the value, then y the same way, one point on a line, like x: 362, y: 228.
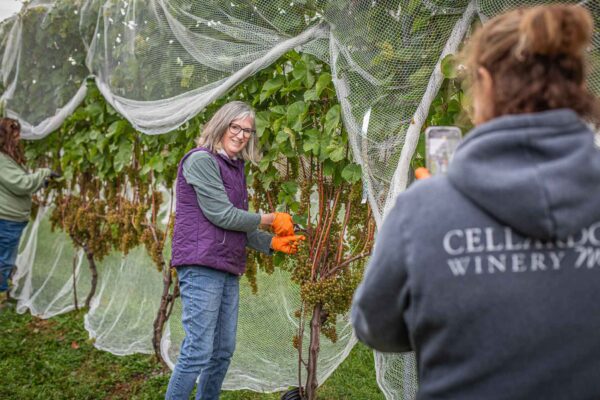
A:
x: 212, y: 229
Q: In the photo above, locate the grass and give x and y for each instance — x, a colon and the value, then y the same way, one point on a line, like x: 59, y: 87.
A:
x: 54, y: 359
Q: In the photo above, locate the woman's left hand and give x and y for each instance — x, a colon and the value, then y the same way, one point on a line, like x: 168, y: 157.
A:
x: 287, y: 244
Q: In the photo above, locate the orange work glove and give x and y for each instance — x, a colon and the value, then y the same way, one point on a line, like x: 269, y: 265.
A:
x: 283, y: 225
x: 422, y: 173
x: 286, y: 244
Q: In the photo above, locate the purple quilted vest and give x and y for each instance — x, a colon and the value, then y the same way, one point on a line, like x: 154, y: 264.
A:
x: 196, y: 241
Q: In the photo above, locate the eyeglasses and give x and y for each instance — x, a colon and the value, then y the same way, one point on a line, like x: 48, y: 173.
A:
x: 236, y: 129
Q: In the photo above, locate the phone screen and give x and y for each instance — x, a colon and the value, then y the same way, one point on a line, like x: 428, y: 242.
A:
x: 440, y: 143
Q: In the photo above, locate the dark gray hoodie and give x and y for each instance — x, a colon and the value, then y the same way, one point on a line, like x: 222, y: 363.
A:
x: 492, y: 273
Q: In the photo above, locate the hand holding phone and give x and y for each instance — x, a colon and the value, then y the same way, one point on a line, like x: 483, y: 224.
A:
x: 422, y: 173
x: 440, y: 144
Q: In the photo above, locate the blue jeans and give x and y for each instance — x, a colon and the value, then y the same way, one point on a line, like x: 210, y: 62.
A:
x: 210, y: 301
x: 10, y: 235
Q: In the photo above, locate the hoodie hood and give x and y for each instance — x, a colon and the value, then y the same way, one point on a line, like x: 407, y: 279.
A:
x: 537, y: 173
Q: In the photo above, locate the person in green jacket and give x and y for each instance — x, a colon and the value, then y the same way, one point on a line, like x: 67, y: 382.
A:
x: 16, y: 188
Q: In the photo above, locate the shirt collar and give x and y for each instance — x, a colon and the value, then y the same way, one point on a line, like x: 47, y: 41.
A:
x: 224, y: 153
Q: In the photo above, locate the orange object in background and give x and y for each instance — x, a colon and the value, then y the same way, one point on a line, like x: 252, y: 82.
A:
x: 422, y: 173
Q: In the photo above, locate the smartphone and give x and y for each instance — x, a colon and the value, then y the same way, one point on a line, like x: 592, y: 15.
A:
x: 440, y: 144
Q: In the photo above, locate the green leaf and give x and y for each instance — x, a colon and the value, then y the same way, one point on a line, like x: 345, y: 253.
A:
x: 303, y: 72
x: 420, y: 23
x: 101, y: 143
x: 294, y: 206
x: 419, y: 78
x: 337, y: 154
x: 249, y: 180
x: 300, y: 69
x: 448, y: 66
x: 323, y: 82
x: 290, y: 187
x: 291, y: 136
x: 186, y: 75
x: 278, y: 258
x: 94, y: 109
x: 332, y: 119
x: 311, y: 141
x: 116, y: 128
x: 352, y: 173
x: 454, y: 106
x: 265, y: 162
x: 266, y: 181
x: 145, y: 169
x: 270, y: 87
x: 300, y: 219
x: 253, y: 86
x: 296, y: 114
x: 293, y: 86
x: 277, y: 124
x: 123, y: 156
x: 328, y: 168
x: 280, y: 109
x: 157, y: 163
x: 262, y: 122
x: 311, y: 95
x: 94, y: 133
x: 281, y: 137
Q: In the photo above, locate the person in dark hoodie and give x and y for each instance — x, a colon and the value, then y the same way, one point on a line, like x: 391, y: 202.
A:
x: 491, y: 274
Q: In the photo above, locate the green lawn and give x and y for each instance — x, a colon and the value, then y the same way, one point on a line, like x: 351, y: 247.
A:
x: 53, y: 359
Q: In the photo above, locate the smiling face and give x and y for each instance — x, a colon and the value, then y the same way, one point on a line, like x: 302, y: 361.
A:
x: 233, y: 143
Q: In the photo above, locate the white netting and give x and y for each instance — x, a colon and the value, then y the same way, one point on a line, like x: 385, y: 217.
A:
x: 383, y: 57
x: 43, y: 66
x: 264, y: 359
x: 127, y: 299
x: 160, y: 62
x: 44, y: 280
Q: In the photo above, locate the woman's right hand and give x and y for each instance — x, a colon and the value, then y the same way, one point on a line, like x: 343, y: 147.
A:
x: 267, y: 219
x: 51, y: 177
x: 281, y: 223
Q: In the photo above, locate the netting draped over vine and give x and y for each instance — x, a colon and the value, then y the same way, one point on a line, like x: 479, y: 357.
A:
x: 121, y: 314
x: 160, y: 62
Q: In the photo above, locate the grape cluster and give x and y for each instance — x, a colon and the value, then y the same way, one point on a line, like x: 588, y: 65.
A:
x: 109, y: 218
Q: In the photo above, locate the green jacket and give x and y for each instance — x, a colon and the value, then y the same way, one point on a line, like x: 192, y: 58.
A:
x: 16, y: 188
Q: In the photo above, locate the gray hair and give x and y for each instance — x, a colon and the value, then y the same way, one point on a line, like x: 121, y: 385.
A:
x: 213, y: 131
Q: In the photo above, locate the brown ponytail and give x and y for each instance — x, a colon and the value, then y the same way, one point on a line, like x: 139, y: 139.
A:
x: 537, y: 60
x: 555, y: 31
x: 9, y: 140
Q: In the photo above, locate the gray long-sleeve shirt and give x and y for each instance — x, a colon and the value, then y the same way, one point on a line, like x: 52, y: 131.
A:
x: 202, y: 172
